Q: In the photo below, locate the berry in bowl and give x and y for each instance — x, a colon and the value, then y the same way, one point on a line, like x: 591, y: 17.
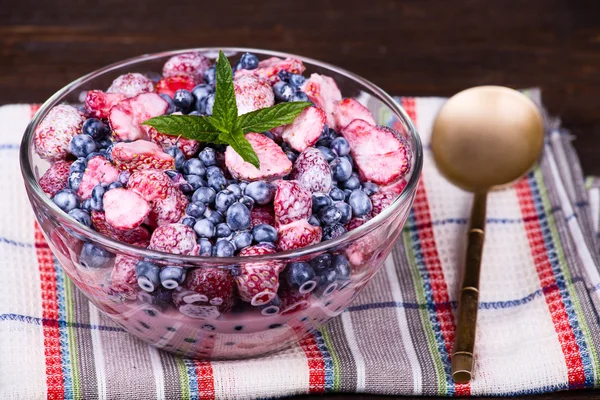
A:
x: 221, y: 205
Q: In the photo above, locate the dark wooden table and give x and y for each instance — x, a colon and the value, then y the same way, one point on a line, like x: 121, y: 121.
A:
x: 409, y: 47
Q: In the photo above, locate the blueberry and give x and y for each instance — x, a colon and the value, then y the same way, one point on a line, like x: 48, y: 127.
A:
x: 204, y: 195
x: 208, y: 156
x: 301, y: 276
x: 169, y: 101
x: 209, y: 76
x: 346, y: 212
x: 224, y: 200
x: 81, y: 216
x: 75, y: 180
x: 201, y: 91
x: 97, y: 198
x: 341, y: 169
x: 314, y: 221
x: 342, y: 268
x: 87, y: 205
x: 183, y: 100
x: 264, y: 233
x: 269, y: 135
x: 320, y: 200
x: 327, y: 282
x: 194, y: 182
x: 195, y: 209
x: 347, y: 193
x: 223, y: 248
x: 284, y: 75
x: 337, y: 194
x: 177, y: 154
x: 66, y: 200
x: 352, y: 183
x: 82, y: 145
x: 95, y: 128
x: 213, y: 170
x: 194, y: 166
x: 327, y: 153
x: 189, y: 221
x: 242, y: 239
x: 272, y: 307
x: 248, y: 202
x: 105, y: 144
x: 334, y: 231
x: 210, y: 102
x: 124, y: 177
x: 326, y: 137
x: 292, y: 156
x: 78, y: 165
x: 300, y: 96
x: 296, y: 80
x: 238, y: 217
x: 223, y: 230
x: 322, y: 261
x: 370, y: 188
x: 114, y: 185
x: 261, y: 192
x: 205, y: 247
x: 330, y: 215
x: 360, y: 203
x: 172, y: 276
x: 236, y: 190
x: 95, y: 257
x: 283, y: 91
x: 213, y: 216
x: 217, y: 182
x: 340, y: 146
x: 204, y: 228
x: 147, y: 274
x: 243, y: 185
x: 249, y: 61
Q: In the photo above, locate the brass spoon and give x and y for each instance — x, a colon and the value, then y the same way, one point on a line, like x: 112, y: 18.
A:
x: 483, y: 137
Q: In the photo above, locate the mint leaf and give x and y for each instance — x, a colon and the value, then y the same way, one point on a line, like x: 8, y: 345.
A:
x: 271, y: 117
x: 188, y: 126
x: 225, y: 109
x: 241, y: 145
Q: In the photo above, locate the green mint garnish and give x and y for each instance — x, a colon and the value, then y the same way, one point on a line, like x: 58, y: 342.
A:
x: 224, y: 126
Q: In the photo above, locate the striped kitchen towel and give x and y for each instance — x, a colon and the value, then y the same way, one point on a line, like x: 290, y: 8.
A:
x: 538, y: 328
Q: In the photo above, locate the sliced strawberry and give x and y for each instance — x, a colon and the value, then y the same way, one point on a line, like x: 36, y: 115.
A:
x: 189, y: 147
x: 262, y: 249
x: 174, y: 239
x: 53, y: 135
x: 151, y: 184
x: 396, y: 187
x: 386, y: 196
x: 312, y: 171
x: 124, y: 209
x: 305, y: 130
x: 298, y: 234
x: 269, y: 68
x: 99, y: 103
x: 55, y: 178
x: 209, y: 286
x: 123, y: 282
x: 324, y: 92
x: 293, y: 301
x: 262, y: 215
x: 292, y: 202
x: 138, y: 236
x: 98, y: 170
x: 131, y: 85
x: 169, y: 210
x: 172, y: 84
x: 274, y: 164
x: 348, y: 110
x: 126, y: 116
x: 141, y: 154
x: 252, y: 93
x: 356, y: 222
x: 380, y: 155
x: 192, y: 64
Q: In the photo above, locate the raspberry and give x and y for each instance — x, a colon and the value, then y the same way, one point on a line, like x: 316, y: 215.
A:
x: 298, y: 234
x: 348, y: 110
x: 55, y: 178
x: 293, y: 301
x: 192, y: 64
x: 323, y: 91
x: 380, y: 154
x: 386, y: 196
x: 53, y: 135
x: 210, y: 286
x: 124, y: 209
x: 269, y: 68
x: 126, y: 116
x: 123, y: 280
x: 292, y: 202
x: 169, y: 210
x: 98, y: 170
x: 189, y: 147
x: 99, y: 103
x: 312, y: 171
x: 305, y: 130
x: 262, y: 215
x: 252, y: 93
x: 151, y: 184
x: 131, y: 85
x: 139, y: 155
x: 274, y: 164
x: 139, y: 236
x: 172, y: 84
x: 174, y: 239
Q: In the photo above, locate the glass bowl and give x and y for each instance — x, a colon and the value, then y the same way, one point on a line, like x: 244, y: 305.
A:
x: 246, y: 330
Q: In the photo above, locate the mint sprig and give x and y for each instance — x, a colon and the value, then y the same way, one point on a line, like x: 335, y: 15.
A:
x: 224, y: 126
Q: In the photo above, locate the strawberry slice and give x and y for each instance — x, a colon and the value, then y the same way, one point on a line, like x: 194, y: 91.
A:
x: 305, y: 130
x: 269, y: 68
x: 98, y: 170
x: 124, y: 209
x: 126, y: 116
x: 131, y: 85
x: 293, y: 301
x: 209, y: 286
x: 348, y: 110
x: 192, y: 64
x: 151, y: 184
x: 298, y: 234
x: 262, y: 215
x: 123, y: 282
x: 380, y: 155
x: 141, y: 154
x: 292, y: 202
x: 386, y: 196
x: 172, y: 84
x: 274, y: 164
x: 312, y: 171
x: 174, y: 239
x: 188, y: 147
x: 252, y: 93
x: 99, y: 103
x: 170, y: 209
x: 55, y: 178
x: 324, y: 92
x: 53, y: 135
x: 139, y: 236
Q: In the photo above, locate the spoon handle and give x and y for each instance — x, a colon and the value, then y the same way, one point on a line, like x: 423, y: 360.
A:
x: 462, y: 353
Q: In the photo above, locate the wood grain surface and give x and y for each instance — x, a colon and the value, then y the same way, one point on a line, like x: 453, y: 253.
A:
x: 408, y: 47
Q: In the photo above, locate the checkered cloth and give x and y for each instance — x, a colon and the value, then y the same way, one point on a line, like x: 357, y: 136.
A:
x: 538, y: 328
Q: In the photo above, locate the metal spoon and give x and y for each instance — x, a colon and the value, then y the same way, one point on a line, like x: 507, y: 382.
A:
x: 483, y: 137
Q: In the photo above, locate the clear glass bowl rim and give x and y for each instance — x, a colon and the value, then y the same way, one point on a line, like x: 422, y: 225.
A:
x: 34, y: 189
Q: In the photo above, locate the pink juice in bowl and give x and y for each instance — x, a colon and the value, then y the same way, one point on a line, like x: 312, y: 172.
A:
x: 187, y: 245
